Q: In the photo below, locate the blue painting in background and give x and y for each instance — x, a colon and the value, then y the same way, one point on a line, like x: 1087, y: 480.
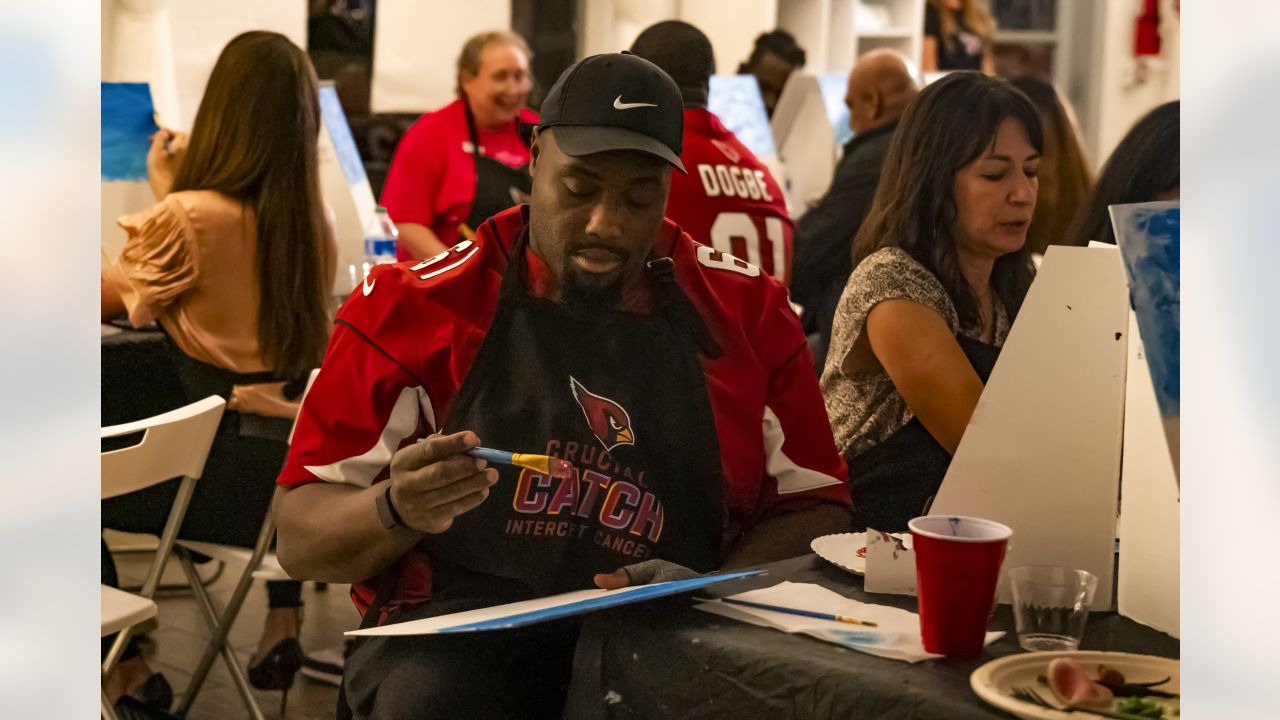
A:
x: 736, y: 100
x: 128, y: 122
x: 340, y: 133
x: 1149, y: 241
x: 834, y: 88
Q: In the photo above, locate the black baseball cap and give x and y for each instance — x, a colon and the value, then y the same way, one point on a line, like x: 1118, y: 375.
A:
x: 616, y: 101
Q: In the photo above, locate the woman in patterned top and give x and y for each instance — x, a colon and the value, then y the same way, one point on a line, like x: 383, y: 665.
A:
x: 941, y: 271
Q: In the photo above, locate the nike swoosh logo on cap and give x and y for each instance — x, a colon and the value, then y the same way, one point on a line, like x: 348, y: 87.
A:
x: 619, y: 105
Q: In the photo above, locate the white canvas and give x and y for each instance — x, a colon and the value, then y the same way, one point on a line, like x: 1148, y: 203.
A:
x: 1042, y: 450
x: 346, y: 190
x: 137, y: 47
x: 1149, y: 579
x: 805, y: 140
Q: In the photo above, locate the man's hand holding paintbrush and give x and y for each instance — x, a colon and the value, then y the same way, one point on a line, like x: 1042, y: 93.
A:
x: 435, y: 481
x: 438, y: 479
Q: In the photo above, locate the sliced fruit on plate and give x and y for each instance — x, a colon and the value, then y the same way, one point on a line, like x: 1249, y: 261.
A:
x: 1073, y: 686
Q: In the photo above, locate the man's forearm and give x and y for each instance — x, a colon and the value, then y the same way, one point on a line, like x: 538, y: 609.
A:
x: 331, y: 533
x: 788, y: 535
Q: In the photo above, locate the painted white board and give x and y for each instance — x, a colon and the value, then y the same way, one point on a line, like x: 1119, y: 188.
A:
x: 1042, y: 450
x: 805, y: 140
x: 346, y: 190
x: 137, y: 47
x: 1149, y: 579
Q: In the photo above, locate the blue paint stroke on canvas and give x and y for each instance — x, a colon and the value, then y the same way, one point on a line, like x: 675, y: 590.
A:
x: 855, y: 638
x: 644, y: 592
x: 834, y: 86
x: 1149, y: 241
x: 736, y: 100
x: 128, y: 122
x: 340, y: 133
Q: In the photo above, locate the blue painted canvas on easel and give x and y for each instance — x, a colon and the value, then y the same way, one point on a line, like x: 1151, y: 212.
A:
x: 1148, y: 236
x: 128, y: 122
x: 736, y: 100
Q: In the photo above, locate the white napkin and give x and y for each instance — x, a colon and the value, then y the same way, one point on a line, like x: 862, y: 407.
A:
x: 896, y: 636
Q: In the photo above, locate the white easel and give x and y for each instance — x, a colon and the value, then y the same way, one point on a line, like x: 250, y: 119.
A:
x: 1042, y: 451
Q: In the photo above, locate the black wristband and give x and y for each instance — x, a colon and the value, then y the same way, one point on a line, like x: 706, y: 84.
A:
x: 387, y: 510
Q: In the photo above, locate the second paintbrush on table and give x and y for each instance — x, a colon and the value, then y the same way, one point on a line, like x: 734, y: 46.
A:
x: 798, y: 611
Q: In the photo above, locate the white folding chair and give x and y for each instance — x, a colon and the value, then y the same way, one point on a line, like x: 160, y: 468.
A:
x: 121, y: 610
x: 259, y: 564
x: 174, y: 444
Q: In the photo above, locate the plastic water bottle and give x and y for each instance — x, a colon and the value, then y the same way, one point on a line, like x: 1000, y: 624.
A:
x: 380, y: 245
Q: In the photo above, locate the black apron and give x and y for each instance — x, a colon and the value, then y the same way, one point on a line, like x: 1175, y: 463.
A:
x: 619, y: 394
x: 498, y: 186
x: 895, y: 480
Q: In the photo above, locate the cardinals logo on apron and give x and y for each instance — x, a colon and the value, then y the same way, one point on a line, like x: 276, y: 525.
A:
x: 609, y: 421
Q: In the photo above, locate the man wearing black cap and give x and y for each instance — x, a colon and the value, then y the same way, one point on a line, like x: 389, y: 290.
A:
x: 674, y: 379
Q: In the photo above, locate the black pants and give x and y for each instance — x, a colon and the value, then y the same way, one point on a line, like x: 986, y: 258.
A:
x: 228, y: 506
x: 521, y: 673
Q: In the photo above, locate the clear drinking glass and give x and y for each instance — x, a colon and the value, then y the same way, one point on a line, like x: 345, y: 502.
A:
x: 1051, y: 605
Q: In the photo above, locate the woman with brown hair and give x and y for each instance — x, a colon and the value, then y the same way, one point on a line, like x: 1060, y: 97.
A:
x: 459, y: 165
x: 941, y: 269
x: 957, y: 36
x: 235, y: 262
x: 1065, y: 178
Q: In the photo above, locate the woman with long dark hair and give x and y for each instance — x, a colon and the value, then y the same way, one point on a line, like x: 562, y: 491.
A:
x: 1144, y: 167
x: 941, y: 270
x: 235, y: 262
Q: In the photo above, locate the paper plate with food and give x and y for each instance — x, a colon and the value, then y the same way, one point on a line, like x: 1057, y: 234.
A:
x: 1050, y: 685
x: 849, y: 550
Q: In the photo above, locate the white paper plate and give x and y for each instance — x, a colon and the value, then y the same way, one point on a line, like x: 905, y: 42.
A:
x: 848, y: 550
x: 994, y: 681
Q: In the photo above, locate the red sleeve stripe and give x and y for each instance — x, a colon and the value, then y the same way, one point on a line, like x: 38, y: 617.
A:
x: 363, y: 469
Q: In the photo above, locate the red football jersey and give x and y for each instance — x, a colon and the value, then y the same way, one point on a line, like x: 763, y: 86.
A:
x: 406, y: 339
x: 729, y: 200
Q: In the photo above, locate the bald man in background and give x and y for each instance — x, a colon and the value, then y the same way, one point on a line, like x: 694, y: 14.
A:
x: 881, y: 85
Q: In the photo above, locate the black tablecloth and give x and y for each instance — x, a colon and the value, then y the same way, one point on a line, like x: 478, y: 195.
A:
x: 668, y: 660
x: 138, y: 377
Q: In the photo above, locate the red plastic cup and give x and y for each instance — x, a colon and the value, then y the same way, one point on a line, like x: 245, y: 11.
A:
x: 957, y: 565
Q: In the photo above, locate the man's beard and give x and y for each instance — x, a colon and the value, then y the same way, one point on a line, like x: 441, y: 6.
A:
x: 583, y: 291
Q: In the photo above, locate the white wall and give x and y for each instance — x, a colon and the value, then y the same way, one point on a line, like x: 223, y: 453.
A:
x: 201, y: 29
x: 1123, y: 95
x: 730, y: 25
x: 416, y: 49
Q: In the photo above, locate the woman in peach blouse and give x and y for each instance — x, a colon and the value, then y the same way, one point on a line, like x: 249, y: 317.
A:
x: 235, y: 262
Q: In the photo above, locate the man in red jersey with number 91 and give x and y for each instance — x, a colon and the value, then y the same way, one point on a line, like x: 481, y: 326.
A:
x: 673, y: 378
x: 728, y: 199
